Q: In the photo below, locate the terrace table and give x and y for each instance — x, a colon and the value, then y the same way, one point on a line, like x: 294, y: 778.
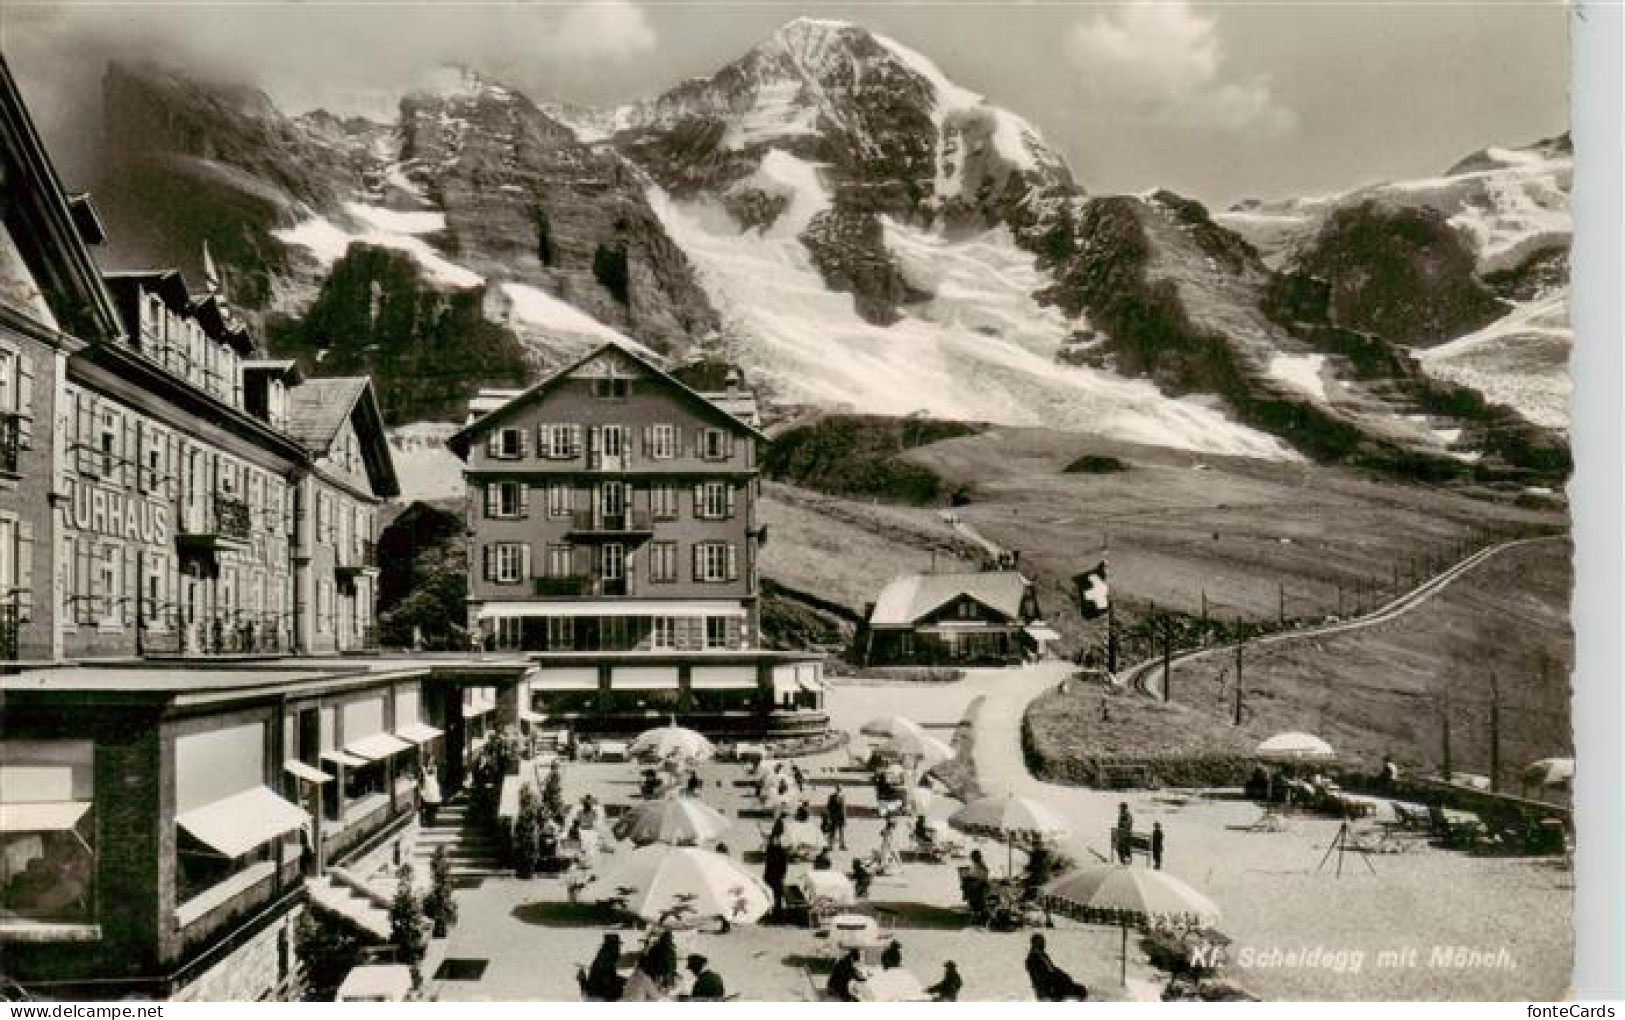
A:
x: 895, y: 985
x: 828, y: 885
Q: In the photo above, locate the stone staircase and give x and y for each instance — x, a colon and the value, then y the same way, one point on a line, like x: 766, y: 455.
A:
x: 341, y: 893
x: 470, y: 848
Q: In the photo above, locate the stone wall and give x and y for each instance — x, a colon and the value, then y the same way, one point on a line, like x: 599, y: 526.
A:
x: 257, y: 969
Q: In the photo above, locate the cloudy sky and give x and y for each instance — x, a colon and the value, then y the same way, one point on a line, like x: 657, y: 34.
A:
x: 1218, y: 100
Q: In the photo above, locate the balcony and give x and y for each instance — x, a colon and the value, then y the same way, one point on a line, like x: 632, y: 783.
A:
x: 587, y: 524
x: 217, y: 522
x: 578, y: 586
x: 357, y: 558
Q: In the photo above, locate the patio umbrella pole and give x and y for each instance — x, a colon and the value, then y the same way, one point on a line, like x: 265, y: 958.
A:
x: 1123, y: 957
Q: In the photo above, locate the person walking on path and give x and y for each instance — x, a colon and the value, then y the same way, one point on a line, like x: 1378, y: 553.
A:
x: 1124, y: 834
x: 1156, y: 845
x: 835, y: 811
x: 775, y: 866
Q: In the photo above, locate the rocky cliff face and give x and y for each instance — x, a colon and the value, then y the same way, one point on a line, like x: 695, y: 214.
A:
x: 835, y: 215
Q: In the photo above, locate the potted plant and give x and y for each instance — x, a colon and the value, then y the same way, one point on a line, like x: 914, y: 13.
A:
x: 439, y: 903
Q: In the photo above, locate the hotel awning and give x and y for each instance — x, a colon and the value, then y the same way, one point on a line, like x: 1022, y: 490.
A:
x: 1039, y: 632
x: 46, y: 816
x: 349, y: 761
x: 657, y: 678
x: 243, y: 821
x: 377, y: 747
x: 811, y: 684
x: 646, y: 607
x: 568, y: 679
x: 417, y: 732
x: 306, y: 772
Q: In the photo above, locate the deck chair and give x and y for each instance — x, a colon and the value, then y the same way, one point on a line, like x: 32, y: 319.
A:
x: 796, y: 905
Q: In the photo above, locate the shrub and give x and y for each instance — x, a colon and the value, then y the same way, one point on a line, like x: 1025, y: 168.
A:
x: 327, y: 946
x: 1095, y: 464
x: 406, y: 922
x: 439, y: 904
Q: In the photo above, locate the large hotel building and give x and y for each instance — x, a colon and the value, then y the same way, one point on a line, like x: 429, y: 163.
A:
x: 197, y: 739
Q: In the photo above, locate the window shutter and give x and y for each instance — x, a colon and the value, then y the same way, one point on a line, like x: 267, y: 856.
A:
x: 493, y: 443
x: 731, y: 489
x: 575, y: 440
x: 699, y: 561
x: 524, y: 561
x: 84, y: 587
x: 733, y: 561
x: 130, y: 584
x: 544, y: 449
x: 87, y: 437
x: 569, y: 499
x: 731, y: 633
x: 491, y: 506
x: 699, y: 442
x: 524, y: 442
x: 524, y: 499
x: 626, y: 443
x: 126, y: 450
x: 25, y: 403
x: 581, y: 557
x: 699, y: 500
x: 25, y: 570
x: 490, y: 552
x: 648, y: 440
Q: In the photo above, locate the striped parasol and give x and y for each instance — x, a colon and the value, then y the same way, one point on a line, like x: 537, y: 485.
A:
x: 1123, y: 895
x: 680, y: 821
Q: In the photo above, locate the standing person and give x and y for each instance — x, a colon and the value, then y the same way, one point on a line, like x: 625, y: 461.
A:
x: 1050, y: 983
x: 842, y: 977
x: 835, y: 811
x: 948, y: 989
x: 775, y: 866
x: 660, y: 961
x: 1156, y: 845
x: 707, y: 983
x: 1125, y: 834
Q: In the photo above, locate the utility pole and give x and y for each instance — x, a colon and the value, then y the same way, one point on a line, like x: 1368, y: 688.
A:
x: 1444, y: 732
x: 1281, y: 603
x: 1238, y: 682
x: 1495, y: 733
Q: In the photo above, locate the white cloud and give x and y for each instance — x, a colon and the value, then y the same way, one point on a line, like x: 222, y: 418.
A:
x: 1163, y: 59
x: 607, y: 29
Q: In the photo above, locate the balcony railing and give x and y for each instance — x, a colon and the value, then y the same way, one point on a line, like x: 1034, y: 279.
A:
x: 11, y: 441
x: 574, y: 585
x: 219, y: 517
x: 628, y: 522
x: 358, y: 557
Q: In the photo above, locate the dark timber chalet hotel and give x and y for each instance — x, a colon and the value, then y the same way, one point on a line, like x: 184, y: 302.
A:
x: 197, y: 734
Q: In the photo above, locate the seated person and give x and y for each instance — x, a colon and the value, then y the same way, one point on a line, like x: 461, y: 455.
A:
x: 948, y: 989
x: 1050, y: 983
x: 823, y: 862
x: 892, y: 957
x: 861, y: 878
x: 846, y: 973
x: 603, y: 980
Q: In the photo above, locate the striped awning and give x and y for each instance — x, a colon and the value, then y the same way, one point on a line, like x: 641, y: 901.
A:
x: 239, y: 823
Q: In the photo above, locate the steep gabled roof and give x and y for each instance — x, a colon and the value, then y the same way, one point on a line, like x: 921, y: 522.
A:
x: 461, y: 440
x: 318, y: 408
x: 57, y: 228
x: 912, y: 597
